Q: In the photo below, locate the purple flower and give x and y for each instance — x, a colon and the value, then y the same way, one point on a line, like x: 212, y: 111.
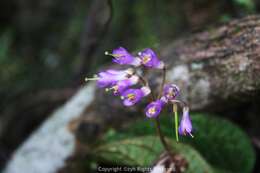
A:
x: 122, y: 85
x: 154, y: 108
x: 110, y: 77
x: 122, y: 56
x: 185, y: 125
x: 171, y: 91
x: 149, y: 59
x: 132, y: 96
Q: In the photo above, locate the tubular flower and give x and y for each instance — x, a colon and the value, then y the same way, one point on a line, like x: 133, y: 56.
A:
x: 171, y: 91
x: 132, y: 96
x: 149, y: 59
x: 185, y: 125
x: 122, y: 56
x: 154, y: 108
x: 122, y: 85
x: 110, y: 77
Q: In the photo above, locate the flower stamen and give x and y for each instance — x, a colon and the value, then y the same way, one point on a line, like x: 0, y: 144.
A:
x: 146, y: 59
x: 191, y: 135
x: 152, y: 110
x: 130, y: 97
x: 117, y: 56
x: 91, y: 79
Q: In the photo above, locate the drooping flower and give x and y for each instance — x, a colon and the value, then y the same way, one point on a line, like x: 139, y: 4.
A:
x: 171, y: 91
x: 153, y: 109
x: 185, y: 124
x: 122, y: 56
x: 122, y: 85
x: 132, y: 96
x: 110, y: 77
x: 149, y: 59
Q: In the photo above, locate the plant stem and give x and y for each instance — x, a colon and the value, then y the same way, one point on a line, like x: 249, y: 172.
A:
x: 176, y: 121
x: 162, y: 139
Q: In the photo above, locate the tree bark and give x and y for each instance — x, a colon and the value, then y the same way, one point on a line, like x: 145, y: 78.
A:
x: 218, y: 65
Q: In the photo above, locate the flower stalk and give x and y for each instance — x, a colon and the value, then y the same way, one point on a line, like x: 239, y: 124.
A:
x: 175, y: 110
x: 161, y: 136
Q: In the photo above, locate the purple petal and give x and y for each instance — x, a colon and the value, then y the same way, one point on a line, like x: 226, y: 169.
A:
x: 171, y: 91
x: 153, y: 109
x: 122, y: 56
x: 149, y: 59
x: 110, y: 77
x: 133, y: 96
x: 122, y: 85
x: 185, y: 124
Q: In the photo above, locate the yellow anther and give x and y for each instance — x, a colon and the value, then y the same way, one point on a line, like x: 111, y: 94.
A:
x: 152, y: 110
x: 146, y: 59
x: 130, y: 96
x: 172, y: 93
x: 115, y: 88
x: 117, y: 56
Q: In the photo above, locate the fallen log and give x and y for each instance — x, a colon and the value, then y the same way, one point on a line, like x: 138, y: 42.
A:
x: 217, y: 65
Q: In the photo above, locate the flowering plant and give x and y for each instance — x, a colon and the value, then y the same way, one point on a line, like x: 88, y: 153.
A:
x: 122, y: 83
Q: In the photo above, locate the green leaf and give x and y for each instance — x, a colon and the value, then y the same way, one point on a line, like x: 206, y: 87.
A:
x: 224, y: 145
x: 143, y: 151
x: 247, y: 4
x: 5, y: 43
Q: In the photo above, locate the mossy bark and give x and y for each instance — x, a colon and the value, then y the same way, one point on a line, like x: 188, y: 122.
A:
x: 220, y: 65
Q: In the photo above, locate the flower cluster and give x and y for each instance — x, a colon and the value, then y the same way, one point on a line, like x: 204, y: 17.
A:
x: 122, y: 82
